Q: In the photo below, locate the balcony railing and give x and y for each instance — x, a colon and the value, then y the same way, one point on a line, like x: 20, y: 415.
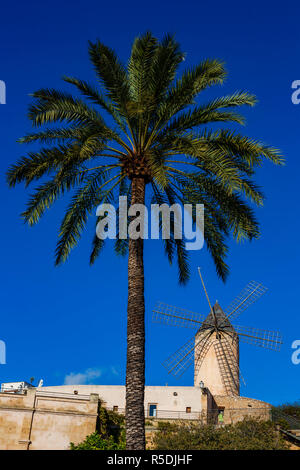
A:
x: 229, y: 415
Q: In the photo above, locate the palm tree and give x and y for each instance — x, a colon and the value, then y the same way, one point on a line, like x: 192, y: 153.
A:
x: 142, y: 128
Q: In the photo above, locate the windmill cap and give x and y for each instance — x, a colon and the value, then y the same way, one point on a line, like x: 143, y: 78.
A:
x: 220, y: 315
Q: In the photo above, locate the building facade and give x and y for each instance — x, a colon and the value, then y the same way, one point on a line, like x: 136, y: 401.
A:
x: 50, y: 418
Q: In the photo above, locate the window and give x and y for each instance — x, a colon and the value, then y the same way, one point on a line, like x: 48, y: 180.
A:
x: 152, y: 410
x: 115, y: 408
x: 188, y: 409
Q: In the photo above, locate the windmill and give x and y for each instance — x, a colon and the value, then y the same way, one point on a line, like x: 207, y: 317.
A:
x: 214, y: 349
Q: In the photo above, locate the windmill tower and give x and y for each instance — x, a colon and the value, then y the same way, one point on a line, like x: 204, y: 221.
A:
x: 214, y: 349
x: 216, y: 358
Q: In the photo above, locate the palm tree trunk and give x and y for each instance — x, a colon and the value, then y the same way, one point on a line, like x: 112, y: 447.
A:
x: 135, y: 368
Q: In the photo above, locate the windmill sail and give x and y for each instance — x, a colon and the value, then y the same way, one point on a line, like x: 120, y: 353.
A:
x: 232, y: 342
x: 258, y: 337
x: 170, y: 315
x: 228, y: 367
x: 250, y: 294
x: 182, y: 359
x: 200, y: 354
x: 214, y: 349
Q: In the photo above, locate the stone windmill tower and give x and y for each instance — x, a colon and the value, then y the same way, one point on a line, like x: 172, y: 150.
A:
x: 214, y: 349
x: 216, y: 358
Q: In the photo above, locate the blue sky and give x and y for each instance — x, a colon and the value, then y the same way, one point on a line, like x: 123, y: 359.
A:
x: 66, y: 322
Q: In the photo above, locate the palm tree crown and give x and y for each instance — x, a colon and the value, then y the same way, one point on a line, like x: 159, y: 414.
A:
x: 160, y: 134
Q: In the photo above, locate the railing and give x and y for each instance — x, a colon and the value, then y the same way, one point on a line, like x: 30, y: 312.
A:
x: 289, y: 425
x: 16, y: 391
x: 205, y: 416
x: 165, y: 414
x: 279, y: 416
x: 170, y: 414
x: 45, y: 393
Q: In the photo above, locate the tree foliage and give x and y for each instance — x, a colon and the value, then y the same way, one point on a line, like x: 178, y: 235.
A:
x: 110, y: 434
x: 287, y: 415
x: 250, y: 434
x: 290, y: 409
x: 146, y: 119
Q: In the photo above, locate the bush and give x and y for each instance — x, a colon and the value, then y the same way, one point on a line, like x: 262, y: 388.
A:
x: 249, y: 434
x: 287, y: 415
x: 291, y: 409
x: 110, y: 433
x: 97, y: 442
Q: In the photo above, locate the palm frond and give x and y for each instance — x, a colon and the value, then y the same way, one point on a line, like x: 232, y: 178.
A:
x: 165, y: 64
x: 97, y: 98
x: 111, y: 73
x: 47, y: 193
x: 139, y: 68
x: 50, y: 135
x: 83, y: 202
x: 55, y: 106
x: 38, y: 164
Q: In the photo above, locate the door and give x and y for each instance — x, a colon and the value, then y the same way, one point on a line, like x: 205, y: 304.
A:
x: 152, y: 410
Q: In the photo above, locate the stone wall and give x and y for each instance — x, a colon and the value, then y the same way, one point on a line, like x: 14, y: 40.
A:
x: 237, y: 408
x: 41, y: 420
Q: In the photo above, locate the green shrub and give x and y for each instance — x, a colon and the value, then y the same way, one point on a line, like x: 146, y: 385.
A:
x: 249, y: 434
x: 110, y: 433
x: 291, y: 409
x: 96, y: 442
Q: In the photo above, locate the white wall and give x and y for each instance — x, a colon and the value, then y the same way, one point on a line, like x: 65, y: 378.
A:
x: 168, y: 404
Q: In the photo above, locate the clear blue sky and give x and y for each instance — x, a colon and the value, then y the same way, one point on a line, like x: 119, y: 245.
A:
x: 62, y: 321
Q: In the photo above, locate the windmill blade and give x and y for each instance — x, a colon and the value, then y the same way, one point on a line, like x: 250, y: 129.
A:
x: 263, y: 338
x: 227, y: 366
x: 252, y: 292
x: 234, y: 355
x: 207, y: 298
x: 181, y: 360
x: 201, y: 351
x: 170, y: 315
